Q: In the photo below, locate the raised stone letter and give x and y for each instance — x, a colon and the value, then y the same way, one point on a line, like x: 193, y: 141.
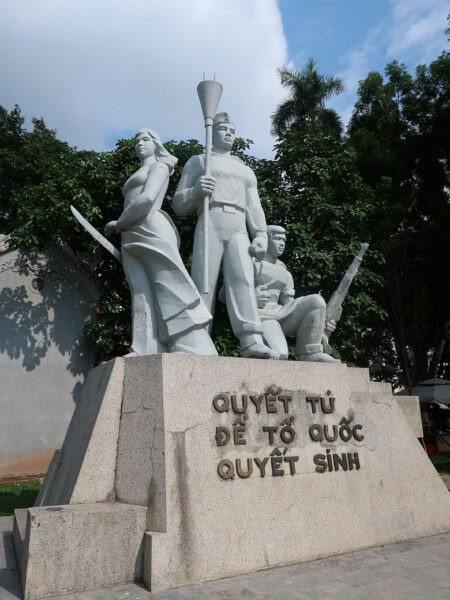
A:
x: 313, y: 400
x: 238, y: 431
x: 239, y: 409
x: 257, y: 401
x: 319, y: 460
x: 225, y: 469
x: 240, y: 472
x: 285, y: 400
x: 222, y: 436
x: 276, y: 462
x: 291, y: 460
x: 261, y: 464
x: 271, y: 403
x: 353, y: 460
x: 270, y: 430
x: 221, y: 403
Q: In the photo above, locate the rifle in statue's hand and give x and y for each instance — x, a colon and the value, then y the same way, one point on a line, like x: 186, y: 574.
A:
x: 334, y: 305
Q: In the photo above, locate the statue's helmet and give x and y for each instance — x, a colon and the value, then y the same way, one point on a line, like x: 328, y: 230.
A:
x: 222, y: 117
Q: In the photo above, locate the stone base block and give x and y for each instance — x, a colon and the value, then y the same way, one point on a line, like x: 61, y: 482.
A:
x: 252, y: 464
x: 81, y: 547
x: 410, y: 407
x: 223, y: 466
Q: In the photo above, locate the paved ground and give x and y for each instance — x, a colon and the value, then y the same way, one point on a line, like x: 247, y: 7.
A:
x: 418, y: 570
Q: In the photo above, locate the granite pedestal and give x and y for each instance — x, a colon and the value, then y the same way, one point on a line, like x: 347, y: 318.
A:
x: 229, y: 466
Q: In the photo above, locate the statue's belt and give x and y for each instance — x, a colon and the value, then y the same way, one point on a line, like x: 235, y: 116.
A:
x: 229, y: 208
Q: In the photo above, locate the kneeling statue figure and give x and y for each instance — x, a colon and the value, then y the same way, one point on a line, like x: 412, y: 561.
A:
x: 281, y: 313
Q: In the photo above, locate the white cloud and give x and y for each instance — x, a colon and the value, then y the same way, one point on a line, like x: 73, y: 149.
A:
x: 358, y: 60
x: 93, y: 69
x: 412, y: 32
x: 417, y: 27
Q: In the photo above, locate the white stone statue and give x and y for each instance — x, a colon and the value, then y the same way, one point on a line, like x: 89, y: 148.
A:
x: 235, y: 213
x: 281, y: 313
x: 168, y: 312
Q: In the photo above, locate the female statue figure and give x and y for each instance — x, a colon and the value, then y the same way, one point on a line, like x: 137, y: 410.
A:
x: 167, y: 310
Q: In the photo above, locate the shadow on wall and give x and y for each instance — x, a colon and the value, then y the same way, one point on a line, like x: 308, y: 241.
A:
x: 44, y: 314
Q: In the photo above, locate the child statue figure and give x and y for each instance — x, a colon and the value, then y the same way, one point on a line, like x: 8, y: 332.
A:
x: 281, y: 313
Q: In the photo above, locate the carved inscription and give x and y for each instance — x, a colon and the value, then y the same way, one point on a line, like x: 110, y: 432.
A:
x: 344, y: 431
x: 244, y: 410
x: 278, y: 463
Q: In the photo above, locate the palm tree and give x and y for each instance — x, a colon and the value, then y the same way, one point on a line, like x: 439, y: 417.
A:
x: 306, y: 102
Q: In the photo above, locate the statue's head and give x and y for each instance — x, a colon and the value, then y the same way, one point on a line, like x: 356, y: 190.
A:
x: 276, y: 240
x: 147, y: 143
x: 224, y: 131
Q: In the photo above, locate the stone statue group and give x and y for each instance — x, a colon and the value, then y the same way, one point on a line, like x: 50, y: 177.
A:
x: 172, y: 312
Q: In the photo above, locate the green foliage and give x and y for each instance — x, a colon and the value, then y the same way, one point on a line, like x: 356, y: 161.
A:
x: 313, y: 189
x: 386, y: 183
x: 316, y: 193
x: 305, y: 106
x: 310, y: 187
x: 399, y: 129
x: 36, y: 169
x: 20, y: 494
x: 441, y: 461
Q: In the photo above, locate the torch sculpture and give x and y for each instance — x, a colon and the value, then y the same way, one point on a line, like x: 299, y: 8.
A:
x: 209, y: 93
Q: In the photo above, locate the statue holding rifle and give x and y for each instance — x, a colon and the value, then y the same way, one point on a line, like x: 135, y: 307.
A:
x: 308, y: 318
x: 281, y: 313
x: 334, y: 306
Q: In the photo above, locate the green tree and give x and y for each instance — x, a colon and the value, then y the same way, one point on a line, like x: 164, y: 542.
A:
x: 318, y: 195
x: 35, y: 167
x: 400, y: 131
x: 313, y: 188
x: 305, y: 106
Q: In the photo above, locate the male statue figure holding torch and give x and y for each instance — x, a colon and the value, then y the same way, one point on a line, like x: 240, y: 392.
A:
x: 235, y: 217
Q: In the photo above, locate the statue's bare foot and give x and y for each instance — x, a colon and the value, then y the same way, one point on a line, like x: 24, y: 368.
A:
x: 130, y: 354
x: 258, y: 350
x: 319, y: 357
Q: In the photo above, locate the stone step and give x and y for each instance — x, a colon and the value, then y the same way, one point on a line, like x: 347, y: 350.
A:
x: 78, y: 547
x: 19, y: 528
x: 9, y: 577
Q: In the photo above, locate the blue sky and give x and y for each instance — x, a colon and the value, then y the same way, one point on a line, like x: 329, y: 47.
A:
x: 349, y: 38
x: 328, y: 29
x: 98, y: 70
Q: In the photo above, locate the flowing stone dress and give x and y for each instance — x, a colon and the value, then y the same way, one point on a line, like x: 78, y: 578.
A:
x: 165, y: 302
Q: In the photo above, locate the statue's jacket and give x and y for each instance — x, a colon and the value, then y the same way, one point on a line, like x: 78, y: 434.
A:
x: 278, y: 282
x: 235, y: 191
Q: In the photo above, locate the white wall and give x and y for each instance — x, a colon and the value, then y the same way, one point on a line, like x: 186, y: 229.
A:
x: 43, y: 355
